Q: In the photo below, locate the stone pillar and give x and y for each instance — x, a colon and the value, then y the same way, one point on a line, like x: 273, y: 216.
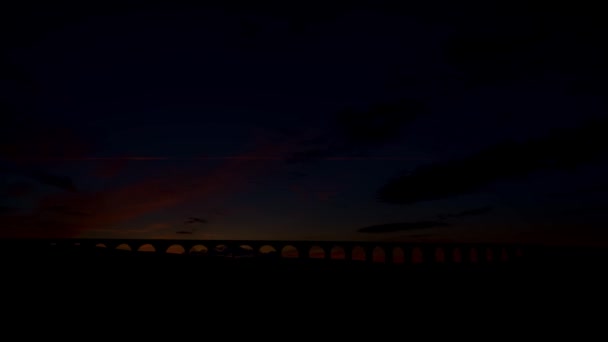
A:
x: 188, y: 246
x: 303, y: 251
x: 348, y: 252
x: 369, y: 253
x: 327, y: 250
x: 160, y: 247
x: 472, y: 255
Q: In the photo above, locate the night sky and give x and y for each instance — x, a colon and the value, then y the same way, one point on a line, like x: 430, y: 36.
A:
x: 345, y: 122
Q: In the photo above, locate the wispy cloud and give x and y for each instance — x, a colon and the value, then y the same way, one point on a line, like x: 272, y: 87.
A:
x: 73, y: 213
x: 466, y: 213
x: 40, y: 176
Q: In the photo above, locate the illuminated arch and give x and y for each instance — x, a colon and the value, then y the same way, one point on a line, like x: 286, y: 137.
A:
x: 358, y: 253
x: 100, y: 245
x: 123, y: 247
x: 489, y: 255
x: 504, y: 255
x: 199, y: 250
x: 398, y: 255
x: 221, y: 248
x: 457, y: 255
x: 289, y: 252
x: 338, y: 253
x: 378, y: 254
x: 267, y: 250
x: 316, y: 252
x: 175, y: 249
x: 473, y: 255
x: 439, y: 255
x: 146, y: 248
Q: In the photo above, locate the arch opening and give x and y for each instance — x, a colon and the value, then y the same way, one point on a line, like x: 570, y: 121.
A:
x: 358, y: 253
x: 175, y: 249
x: 338, y: 253
x: 439, y: 255
x: 290, y: 252
x: 316, y: 252
x: 146, y: 248
x: 504, y: 255
x: 457, y: 255
x: 398, y: 255
x: 378, y: 255
x: 489, y: 255
x: 199, y: 250
x: 473, y: 256
x: 221, y: 250
x: 268, y: 250
x: 123, y: 247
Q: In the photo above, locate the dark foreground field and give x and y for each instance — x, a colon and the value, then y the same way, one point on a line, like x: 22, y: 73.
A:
x: 183, y: 287
x: 178, y: 287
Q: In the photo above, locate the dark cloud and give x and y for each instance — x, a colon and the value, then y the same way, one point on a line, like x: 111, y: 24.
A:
x: 8, y: 210
x: 402, y: 226
x: 17, y: 189
x: 418, y: 235
x: 466, y: 213
x: 355, y: 131
x: 196, y: 220
x: 562, y: 149
x: 424, y: 224
x: 377, y: 125
x: 58, y: 181
x: 64, y: 210
x: 42, y: 177
x: 596, y: 189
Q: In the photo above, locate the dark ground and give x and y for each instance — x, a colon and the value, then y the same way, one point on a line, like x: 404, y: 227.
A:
x: 183, y: 287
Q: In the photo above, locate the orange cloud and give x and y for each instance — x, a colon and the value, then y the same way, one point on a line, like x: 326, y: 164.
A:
x: 105, y: 209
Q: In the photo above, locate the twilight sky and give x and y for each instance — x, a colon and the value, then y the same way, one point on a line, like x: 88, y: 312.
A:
x: 351, y: 121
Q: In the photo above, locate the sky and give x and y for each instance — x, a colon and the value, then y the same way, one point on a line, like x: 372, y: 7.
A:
x: 347, y: 121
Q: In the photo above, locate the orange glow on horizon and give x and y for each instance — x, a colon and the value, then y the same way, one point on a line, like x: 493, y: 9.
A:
x: 175, y: 249
x: 316, y: 252
x: 146, y: 248
x: 290, y: 252
x: 378, y: 255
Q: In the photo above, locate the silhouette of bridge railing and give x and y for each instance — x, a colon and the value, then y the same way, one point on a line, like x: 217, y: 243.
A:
x: 381, y: 252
